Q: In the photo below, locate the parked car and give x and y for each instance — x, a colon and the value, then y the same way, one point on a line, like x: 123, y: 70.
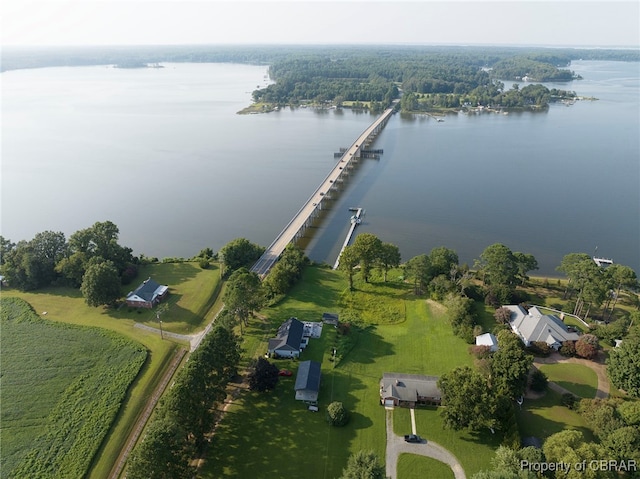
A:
x: 284, y: 372
x: 412, y: 438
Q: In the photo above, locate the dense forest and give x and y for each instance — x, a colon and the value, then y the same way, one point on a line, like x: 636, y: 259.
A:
x: 427, y: 77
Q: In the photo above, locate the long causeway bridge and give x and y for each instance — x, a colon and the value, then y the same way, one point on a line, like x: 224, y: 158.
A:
x: 311, y: 209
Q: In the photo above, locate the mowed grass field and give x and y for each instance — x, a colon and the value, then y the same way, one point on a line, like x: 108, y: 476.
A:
x: 577, y: 378
x: 192, y: 291
x: 61, y: 388
x: 273, y: 435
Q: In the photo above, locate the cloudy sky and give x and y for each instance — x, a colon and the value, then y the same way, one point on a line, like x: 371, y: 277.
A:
x: 127, y: 22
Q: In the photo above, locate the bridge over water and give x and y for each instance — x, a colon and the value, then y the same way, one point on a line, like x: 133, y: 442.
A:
x: 311, y: 209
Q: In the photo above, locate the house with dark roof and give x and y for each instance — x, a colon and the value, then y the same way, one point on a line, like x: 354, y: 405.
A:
x: 532, y: 326
x: 147, y: 295
x: 409, y: 390
x: 308, y: 381
x: 288, y: 340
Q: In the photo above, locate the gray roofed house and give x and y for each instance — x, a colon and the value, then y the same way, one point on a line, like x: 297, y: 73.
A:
x: 308, y: 381
x: 397, y: 389
x: 287, y: 341
x: 147, y: 295
x: 533, y: 326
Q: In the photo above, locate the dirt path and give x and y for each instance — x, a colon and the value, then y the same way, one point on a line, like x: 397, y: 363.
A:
x: 142, y: 420
x: 396, y: 445
x: 597, y: 366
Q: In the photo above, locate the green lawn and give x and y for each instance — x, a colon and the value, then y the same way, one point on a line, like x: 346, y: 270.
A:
x: 473, y: 450
x: 409, y: 335
x: 546, y: 416
x: 577, y: 378
x: 412, y: 466
x: 190, y: 290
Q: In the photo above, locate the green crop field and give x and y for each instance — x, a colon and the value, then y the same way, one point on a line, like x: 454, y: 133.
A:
x: 62, y: 386
x: 192, y: 292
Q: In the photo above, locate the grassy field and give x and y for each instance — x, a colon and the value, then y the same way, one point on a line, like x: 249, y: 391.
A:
x: 398, y: 333
x: 190, y: 299
x: 74, y: 378
x: 412, y: 466
x: 545, y: 416
x: 580, y: 380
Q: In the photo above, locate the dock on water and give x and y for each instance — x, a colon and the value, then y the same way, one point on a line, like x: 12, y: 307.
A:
x: 356, y: 219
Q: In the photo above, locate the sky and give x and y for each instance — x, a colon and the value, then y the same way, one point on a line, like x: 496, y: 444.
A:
x: 230, y: 22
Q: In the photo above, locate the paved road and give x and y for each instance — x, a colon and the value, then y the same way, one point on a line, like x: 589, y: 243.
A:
x: 396, y: 445
x: 273, y: 252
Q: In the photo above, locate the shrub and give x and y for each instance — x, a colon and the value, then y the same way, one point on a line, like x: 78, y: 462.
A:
x: 568, y: 349
x: 587, y: 346
x: 337, y: 415
x: 502, y: 315
x: 538, y: 381
x: 540, y: 348
x: 570, y: 400
x: 480, y: 352
x: 204, y: 263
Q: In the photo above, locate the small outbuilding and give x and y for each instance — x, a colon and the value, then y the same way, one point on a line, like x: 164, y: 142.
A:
x: 308, y: 381
x: 330, y: 318
x: 147, y: 295
x: 487, y: 339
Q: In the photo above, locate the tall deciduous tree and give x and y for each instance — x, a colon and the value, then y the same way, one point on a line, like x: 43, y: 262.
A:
x: 101, y: 284
x: 160, y: 454
x: 499, y: 270
x: 510, y: 366
x: 348, y: 261
x: 363, y: 465
x: 264, y: 376
x: 621, y: 277
x: 623, y: 365
x: 525, y: 262
x: 244, y: 294
x: 239, y: 253
x: 467, y: 399
x: 367, y: 246
x: 418, y: 269
x: 442, y: 260
x: 388, y: 258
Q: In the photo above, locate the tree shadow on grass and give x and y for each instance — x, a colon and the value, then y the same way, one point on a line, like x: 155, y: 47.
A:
x: 273, y: 435
x: 368, y: 346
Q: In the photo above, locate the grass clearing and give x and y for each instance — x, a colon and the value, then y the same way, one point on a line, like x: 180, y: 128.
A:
x: 404, y: 334
x: 412, y: 466
x: 546, y: 416
x: 577, y: 378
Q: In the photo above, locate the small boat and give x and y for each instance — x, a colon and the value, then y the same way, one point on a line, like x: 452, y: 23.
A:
x: 355, y: 220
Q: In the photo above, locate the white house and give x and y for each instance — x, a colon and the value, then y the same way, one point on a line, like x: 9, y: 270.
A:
x: 287, y: 342
x: 487, y: 339
x: 534, y: 326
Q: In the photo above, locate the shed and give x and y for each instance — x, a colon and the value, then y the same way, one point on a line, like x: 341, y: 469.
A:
x: 487, y: 339
x: 308, y: 381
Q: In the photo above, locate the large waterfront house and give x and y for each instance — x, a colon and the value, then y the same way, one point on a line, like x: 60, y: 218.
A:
x: 533, y: 326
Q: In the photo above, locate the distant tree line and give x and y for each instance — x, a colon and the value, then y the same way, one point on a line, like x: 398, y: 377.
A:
x: 92, y: 260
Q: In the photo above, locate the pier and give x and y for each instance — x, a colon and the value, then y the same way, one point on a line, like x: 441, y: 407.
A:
x: 295, y: 229
x: 355, y: 221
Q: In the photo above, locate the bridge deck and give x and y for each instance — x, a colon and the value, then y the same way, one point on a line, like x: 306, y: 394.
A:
x: 288, y: 234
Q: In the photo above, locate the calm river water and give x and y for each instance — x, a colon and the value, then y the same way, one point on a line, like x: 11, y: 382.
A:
x: 162, y: 153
